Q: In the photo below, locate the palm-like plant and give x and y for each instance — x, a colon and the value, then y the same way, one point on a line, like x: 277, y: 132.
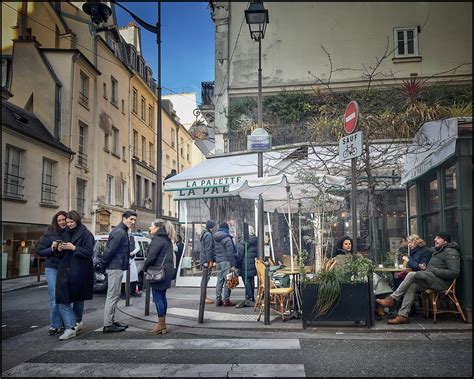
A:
x: 329, y: 288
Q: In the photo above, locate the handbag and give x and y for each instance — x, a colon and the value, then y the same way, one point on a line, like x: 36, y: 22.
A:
x: 156, y: 274
x: 232, y: 280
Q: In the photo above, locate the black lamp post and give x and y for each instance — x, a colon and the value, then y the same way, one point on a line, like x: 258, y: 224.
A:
x: 99, y: 13
x: 257, y: 19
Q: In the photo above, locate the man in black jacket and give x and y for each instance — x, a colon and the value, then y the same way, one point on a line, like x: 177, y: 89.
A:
x: 116, y: 258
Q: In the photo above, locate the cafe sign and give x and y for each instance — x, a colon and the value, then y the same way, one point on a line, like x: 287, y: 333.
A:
x: 206, y: 188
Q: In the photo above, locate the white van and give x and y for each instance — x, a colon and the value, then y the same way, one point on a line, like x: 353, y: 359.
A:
x: 141, y: 244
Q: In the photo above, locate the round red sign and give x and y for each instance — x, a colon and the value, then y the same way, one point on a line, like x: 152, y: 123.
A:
x: 351, y: 116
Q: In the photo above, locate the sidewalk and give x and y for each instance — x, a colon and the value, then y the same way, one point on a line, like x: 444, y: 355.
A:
x: 183, y: 310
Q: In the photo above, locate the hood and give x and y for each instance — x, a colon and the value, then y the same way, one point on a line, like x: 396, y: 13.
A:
x: 452, y: 245
x: 161, y: 233
x: 220, y: 235
x: 202, y: 234
x: 253, y: 240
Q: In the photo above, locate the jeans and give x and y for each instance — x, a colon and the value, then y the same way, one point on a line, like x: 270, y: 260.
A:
x: 68, y: 316
x: 408, y: 289
x: 249, y: 287
x: 222, y: 269
x: 161, y: 303
x: 54, y: 315
x: 114, y: 282
x: 78, y: 309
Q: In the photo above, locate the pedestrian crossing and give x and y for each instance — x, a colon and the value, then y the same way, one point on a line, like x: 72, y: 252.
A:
x: 129, y: 354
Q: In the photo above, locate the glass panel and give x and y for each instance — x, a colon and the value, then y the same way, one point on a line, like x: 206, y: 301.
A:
x: 433, y: 196
x: 411, y: 45
x: 413, y: 228
x: 412, y: 201
x: 452, y: 223
x: 450, y: 180
x: 400, y: 43
x: 432, y: 226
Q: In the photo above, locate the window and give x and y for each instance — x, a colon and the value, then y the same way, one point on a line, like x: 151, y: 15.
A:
x: 104, y: 86
x: 110, y: 189
x: 6, y: 72
x: 115, y: 141
x: 432, y: 198
x: 114, y: 99
x: 150, y: 116
x: 153, y: 195
x: 135, y: 143
x: 135, y: 101
x: 80, y: 196
x: 143, y: 149
x: 48, y: 187
x: 106, y: 142
x: 122, y: 191
x: 174, y: 164
x: 147, y: 199
x: 13, y: 181
x: 138, y: 191
x: 181, y: 147
x: 151, y: 155
x: 123, y: 106
x: 133, y: 58
x: 84, y: 90
x: 57, y: 113
x: 450, y: 192
x: 81, y: 153
x: 188, y: 153
x: 143, y: 109
x: 173, y: 137
x: 406, y: 42
x: 124, y: 152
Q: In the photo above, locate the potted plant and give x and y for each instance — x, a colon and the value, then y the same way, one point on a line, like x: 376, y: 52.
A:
x: 338, y: 292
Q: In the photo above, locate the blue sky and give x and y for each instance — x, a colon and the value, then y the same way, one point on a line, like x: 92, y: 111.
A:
x: 187, y: 42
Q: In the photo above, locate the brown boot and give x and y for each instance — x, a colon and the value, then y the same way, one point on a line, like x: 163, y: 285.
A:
x: 399, y: 320
x: 160, y: 327
x: 387, y: 302
x: 208, y: 301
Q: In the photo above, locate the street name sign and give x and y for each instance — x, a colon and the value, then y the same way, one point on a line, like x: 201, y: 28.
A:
x: 259, y: 140
x: 350, y: 146
x: 351, y: 115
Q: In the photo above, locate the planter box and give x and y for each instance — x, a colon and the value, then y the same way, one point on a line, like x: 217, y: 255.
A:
x: 354, y: 304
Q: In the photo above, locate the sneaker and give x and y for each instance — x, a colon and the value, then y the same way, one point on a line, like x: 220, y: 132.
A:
x: 112, y: 329
x: 68, y: 333
x: 219, y: 303
x: 79, y: 326
x: 120, y: 325
x: 228, y: 303
x: 53, y: 331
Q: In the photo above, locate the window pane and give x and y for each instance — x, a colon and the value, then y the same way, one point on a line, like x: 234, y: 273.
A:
x: 432, y: 228
x: 450, y: 174
x: 413, y: 228
x: 433, y: 196
x: 412, y: 200
x: 452, y: 223
x: 410, y: 45
x: 400, y: 42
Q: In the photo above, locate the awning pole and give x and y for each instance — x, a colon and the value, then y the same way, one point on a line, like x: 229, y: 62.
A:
x: 271, y: 236
x: 289, y: 225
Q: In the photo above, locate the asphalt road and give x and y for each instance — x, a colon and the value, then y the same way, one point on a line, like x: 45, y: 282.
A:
x: 192, y: 351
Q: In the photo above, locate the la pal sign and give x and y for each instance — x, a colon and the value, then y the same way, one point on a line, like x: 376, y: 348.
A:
x: 351, y: 116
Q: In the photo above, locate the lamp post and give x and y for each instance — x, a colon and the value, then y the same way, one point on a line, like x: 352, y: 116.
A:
x: 100, y: 12
x: 256, y: 17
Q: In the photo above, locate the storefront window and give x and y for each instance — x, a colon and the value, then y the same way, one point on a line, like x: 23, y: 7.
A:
x: 452, y: 223
x: 412, y: 200
x: 450, y: 179
x: 432, y: 222
x: 413, y: 227
x: 433, y: 196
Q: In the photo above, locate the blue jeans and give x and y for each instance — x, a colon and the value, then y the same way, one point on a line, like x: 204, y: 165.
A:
x: 222, y: 269
x: 159, y: 298
x: 249, y: 287
x: 78, y: 309
x: 54, y: 315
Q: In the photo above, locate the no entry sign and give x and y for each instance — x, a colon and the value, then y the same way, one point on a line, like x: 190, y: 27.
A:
x: 351, y: 115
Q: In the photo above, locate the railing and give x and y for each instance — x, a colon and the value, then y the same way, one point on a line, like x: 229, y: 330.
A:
x: 13, y: 185
x: 207, y: 92
x: 83, y: 99
x: 48, y: 193
x: 82, y: 159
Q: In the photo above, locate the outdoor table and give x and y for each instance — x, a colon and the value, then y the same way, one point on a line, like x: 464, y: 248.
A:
x: 295, y: 275
x: 392, y: 270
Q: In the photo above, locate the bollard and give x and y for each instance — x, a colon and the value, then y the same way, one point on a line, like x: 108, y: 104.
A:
x: 127, y: 287
x: 147, y: 297
x: 38, y: 258
x: 371, y: 301
x: 202, y: 299
x: 266, y: 289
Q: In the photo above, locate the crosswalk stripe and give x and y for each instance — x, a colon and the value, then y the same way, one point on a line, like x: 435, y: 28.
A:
x: 155, y: 370
x: 197, y: 344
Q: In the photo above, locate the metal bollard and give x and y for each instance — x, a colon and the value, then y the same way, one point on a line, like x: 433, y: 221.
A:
x: 38, y: 258
x: 202, y: 299
x: 127, y: 287
x: 371, y: 301
x: 266, y: 289
x: 147, y: 297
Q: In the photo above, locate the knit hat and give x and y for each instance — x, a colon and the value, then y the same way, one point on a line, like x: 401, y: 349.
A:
x: 225, y: 226
x: 444, y: 236
x: 210, y: 224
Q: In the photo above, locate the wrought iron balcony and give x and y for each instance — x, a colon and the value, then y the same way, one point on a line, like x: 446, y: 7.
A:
x: 48, y: 193
x: 13, y: 185
x: 82, y: 159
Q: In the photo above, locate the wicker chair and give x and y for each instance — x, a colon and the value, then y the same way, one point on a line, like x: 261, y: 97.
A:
x: 432, y: 300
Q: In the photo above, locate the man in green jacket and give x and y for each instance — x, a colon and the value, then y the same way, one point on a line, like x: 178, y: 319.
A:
x: 443, y: 267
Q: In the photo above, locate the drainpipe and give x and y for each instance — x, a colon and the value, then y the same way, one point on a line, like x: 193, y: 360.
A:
x: 72, y: 108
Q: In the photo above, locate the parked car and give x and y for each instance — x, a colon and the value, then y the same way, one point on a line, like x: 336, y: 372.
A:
x: 140, y: 245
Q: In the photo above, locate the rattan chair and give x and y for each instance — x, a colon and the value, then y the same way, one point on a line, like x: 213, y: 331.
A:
x: 278, y: 296
x: 432, y: 300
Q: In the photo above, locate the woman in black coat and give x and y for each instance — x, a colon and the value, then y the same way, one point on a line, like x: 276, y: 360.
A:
x: 47, y: 247
x: 246, y: 263
x: 75, y: 281
x: 160, y: 252
x: 343, y: 247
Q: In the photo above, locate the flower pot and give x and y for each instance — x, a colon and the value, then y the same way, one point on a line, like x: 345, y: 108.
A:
x: 353, y: 304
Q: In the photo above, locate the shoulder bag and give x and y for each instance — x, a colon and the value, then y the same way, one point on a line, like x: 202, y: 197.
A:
x: 156, y: 274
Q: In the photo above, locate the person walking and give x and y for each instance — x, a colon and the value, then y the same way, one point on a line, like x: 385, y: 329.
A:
x: 178, y: 253
x: 443, y: 267
x: 115, y: 258
x: 48, y: 247
x: 246, y: 257
x: 225, y: 262
x: 75, y: 280
x: 208, y: 254
x: 160, y: 252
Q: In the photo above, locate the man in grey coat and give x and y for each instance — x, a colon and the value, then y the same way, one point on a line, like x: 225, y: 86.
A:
x: 208, y: 254
x: 116, y: 260
x: 443, y: 267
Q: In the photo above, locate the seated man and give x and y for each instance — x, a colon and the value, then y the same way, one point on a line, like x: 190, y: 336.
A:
x: 443, y: 267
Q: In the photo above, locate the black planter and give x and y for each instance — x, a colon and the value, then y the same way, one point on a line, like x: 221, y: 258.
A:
x: 353, y: 305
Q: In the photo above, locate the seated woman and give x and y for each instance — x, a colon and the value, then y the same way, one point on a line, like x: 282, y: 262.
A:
x: 343, y: 247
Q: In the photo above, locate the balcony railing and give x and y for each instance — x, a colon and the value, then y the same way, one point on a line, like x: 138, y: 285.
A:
x: 13, y: 185
x: 82, y: 159
x: 84, y: 99
x: 48, y: 193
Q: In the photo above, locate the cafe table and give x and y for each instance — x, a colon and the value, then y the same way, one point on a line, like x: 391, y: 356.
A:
x: 295, y: 282
x: 392, y: 270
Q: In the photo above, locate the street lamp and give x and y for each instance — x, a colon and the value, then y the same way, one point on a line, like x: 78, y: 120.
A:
x: 100, y: 12
x: 256, y: 17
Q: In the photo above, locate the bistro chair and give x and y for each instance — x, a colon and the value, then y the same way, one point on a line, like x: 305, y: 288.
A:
x: 278, y: 296
x: 433, y: 299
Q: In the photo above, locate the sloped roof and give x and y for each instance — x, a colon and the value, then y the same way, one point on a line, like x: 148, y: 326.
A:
x: 26, y: 123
